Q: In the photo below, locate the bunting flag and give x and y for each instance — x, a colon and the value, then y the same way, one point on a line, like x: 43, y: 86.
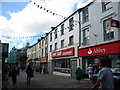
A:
x: 53, y: 12
x: 7, y: 37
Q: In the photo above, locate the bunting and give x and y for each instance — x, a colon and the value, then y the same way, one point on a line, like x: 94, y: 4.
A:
x: 49, y: 11
x: 8, y: 37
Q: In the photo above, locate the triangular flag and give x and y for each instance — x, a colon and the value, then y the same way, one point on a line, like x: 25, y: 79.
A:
x: 38, y: 5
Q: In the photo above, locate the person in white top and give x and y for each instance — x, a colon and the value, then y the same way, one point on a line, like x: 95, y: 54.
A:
x: 90, y: 72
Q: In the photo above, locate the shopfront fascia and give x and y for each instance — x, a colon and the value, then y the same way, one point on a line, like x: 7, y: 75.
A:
x: 61, y: 60
x: 43, y: 63
x: 90, y: 54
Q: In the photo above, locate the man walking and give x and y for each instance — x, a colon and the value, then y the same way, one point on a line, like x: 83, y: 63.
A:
x: 105, y: 76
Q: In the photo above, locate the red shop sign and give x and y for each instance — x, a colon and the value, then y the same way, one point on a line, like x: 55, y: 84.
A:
x: 114, y: 23
x: 61, y: 53
x: 44, y: 59
x: 108, y: 48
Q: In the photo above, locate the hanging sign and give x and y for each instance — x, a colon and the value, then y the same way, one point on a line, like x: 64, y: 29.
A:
x: 114, y: 23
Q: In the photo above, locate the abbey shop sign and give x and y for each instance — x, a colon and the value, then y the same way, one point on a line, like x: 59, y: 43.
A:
x: 107, y: 48
x: 62, y: 53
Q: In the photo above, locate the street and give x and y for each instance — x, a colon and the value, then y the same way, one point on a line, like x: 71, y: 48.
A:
x: 48, y: 81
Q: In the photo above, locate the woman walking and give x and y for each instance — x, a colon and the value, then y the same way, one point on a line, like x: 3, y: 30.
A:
x: 29, y: 73
x: 78, y: 74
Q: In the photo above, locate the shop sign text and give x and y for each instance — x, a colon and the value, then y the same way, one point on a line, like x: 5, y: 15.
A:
x: 66, y: 52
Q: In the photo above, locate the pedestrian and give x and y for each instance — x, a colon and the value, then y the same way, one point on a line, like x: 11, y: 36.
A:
x: 78, y: 74
x: 90, y: 72
x: 105, y: 76
x: 18, y: 69
x: 14, y: 74
x: 95, y: 73
x: 29, y: 73
x: 40, y: 69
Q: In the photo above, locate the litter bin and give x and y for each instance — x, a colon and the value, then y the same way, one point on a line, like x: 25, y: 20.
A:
x: 116, y: 82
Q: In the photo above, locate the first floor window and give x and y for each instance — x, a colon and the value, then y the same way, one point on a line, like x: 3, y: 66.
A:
x: 71, y: 41
x: 50, y: 48
x: 86, y: 36
x: 55, y: 46
x: 62, y: 43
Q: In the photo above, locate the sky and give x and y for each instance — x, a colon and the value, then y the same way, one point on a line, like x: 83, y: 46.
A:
x: 23, y: 21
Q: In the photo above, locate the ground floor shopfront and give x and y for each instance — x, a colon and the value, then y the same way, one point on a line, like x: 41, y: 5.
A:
x: 64, y: 62
x: 91, y: 55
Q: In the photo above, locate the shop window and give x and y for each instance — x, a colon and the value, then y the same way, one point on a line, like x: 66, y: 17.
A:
x: 62, y: 66
x: 108, y: 32
x: 86, y: 36
x: 106, y: 5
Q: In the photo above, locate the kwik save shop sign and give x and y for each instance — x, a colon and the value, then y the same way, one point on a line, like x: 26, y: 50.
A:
x: 62, y: 53
x: 110, y: 48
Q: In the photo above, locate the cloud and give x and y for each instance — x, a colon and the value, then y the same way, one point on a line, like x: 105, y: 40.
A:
x: 83, y: 3
x: 32, y: 20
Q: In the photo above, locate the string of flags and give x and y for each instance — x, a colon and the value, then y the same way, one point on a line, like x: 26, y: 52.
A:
x: 8, y: 37
x: 49, y: 11
x: 74, y: 21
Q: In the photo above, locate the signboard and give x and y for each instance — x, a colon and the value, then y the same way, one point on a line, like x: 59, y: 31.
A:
x: 44, y: 59
x: 62, y: 53
x: 114, y: 23
x: 108, y: 48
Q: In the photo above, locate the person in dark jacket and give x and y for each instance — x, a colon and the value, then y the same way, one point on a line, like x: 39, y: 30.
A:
x: 29, y: 72
x: 14, y: 74
x: 78, y: 74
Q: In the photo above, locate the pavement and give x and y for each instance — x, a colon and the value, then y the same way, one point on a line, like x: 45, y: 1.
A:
x: 48, y: 81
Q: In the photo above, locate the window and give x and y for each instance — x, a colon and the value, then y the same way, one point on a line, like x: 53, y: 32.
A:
x: 42, y: 52
x: 62, y: 43
x: 50, y: 48
x: 55, y: 46
x: 108, y: 32
x: 85, y: 15
x: 55, y: 33
x: 71, y: 24
x: 71, y: 40
x: 51, y: 36
x: 86, y: 36
x: 106, y: 4
x: 62, y: 29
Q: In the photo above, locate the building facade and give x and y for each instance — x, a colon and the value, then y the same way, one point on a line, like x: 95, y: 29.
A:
x: 99, y: 33
x: 38, y: 53
x: 63, y: 41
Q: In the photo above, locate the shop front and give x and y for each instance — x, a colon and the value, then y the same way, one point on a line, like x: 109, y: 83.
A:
x: 62, y: 61
x: 91, y: 55
x: 43, y: 64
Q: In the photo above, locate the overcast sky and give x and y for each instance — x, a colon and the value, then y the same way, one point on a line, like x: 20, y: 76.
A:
x: 22, y: 18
